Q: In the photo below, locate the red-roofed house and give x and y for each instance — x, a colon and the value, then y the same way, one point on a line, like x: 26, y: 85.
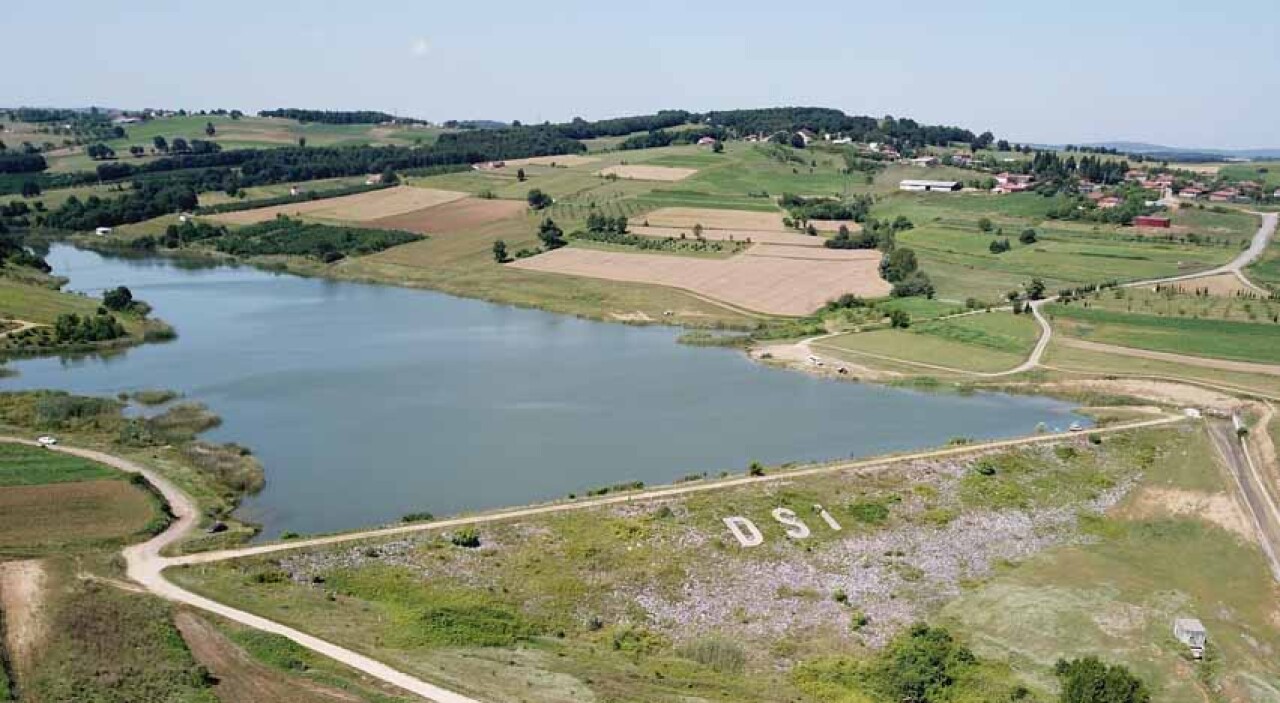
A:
x: 1108, y: 202
x: 1151, y: 221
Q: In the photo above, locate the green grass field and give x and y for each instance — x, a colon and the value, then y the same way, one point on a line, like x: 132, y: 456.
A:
x: 1223, y: 339
x: 22, y: 465
x: 983, y: 342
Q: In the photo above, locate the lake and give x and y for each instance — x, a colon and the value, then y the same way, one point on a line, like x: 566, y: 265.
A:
x: 367, y: 402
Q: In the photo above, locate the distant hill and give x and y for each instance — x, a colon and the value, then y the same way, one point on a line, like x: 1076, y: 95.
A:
x: 1161, y: 151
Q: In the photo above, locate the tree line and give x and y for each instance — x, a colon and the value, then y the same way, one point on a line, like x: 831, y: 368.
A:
x: 826, y: 120
x: 329, y: 116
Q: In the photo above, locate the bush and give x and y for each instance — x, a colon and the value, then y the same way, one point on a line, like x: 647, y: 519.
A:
x: 1088, y: 680
x: 869, y: 512
x: 899, y: 319
x: 466, y: 537
x: 915, y: 284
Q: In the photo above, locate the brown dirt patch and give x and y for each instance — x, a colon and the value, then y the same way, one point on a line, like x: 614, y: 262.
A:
x: 48, y: 516
x: 641, y: 172
x: 241, y: 679
x: 1216, y: 508
x: 1203, y: 362
x: 713, y: 218
x: 22, y: 598
x: 1159, y: 391
x: 736, y: 235
x: 774, y: 285
x: 455, y: 216
x: 361, y: 207
x: 566, y: 160
x: 835, y: 225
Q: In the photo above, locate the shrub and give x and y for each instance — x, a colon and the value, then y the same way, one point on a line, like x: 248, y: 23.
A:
x: 466, y: 537
x: 1088, y: 680
x: 869, y: 512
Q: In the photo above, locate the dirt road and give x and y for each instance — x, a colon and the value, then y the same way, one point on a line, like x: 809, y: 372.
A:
x: 1253, y: 489
x: 22, y: 585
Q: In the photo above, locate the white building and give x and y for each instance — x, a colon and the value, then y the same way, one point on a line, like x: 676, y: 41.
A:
x: 930, y: 186
x: 925, y: 161
x: 102, y: 231
x: 1191, y: 632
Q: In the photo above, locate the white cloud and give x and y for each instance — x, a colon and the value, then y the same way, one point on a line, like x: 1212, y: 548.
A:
x: 419, y: 47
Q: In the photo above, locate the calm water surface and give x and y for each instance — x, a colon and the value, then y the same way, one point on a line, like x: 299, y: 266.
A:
x: 367, y: 402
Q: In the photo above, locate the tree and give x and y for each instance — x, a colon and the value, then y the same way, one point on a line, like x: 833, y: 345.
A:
x: 916, y: 283
x: 500, y: 251
x: 389, y: 176
x: 1000, y: 246
x: 1028, y: 236
x: 1089, y: 680
x: 160, y: 144
x: 551, y: 235
x: 209, y: 131
x: 520, y: 175
x: 718, y: 147
x: 539, y: 200
x: 119, y: 298
x: 137, y: 150
x: 1035, y: 289
x: 984, y: 224
x: 898, y: 264
x: 302, y: 142
x: 30, y: 189
x: 180, y: 145
x: 899, y: 319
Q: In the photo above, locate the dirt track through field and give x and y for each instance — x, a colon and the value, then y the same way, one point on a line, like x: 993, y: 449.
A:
x: 736, y: 235
x: 774, y: 285
x: 22, y: 585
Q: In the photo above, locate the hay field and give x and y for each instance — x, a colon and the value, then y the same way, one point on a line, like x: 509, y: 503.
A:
x: 566, y: 160
x: 53, y: 516
x: 454, y: 216
x: 835, y: 225
x: 778, y: 285
x: 648, y: 173
x: 733, y: 235
x: 361, y: 207
x: 713, y: 218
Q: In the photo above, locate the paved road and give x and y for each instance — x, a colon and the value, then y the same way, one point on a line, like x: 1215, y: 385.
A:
x: 1253, y: 488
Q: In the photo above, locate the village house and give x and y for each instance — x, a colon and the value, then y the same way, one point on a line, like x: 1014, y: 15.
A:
x: 707, y: 141
x: 1109, y: 201
x: 1191, y: 633
x: 102, y: 231
x: 807, y: 136
x: 926, y: 161
x: 962, y: 159
x: 1225, y: 195
x: 1191, y: 193
x: 1013, y: 182
x: 930, y: 186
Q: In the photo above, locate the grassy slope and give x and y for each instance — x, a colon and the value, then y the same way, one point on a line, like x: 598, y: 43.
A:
x: 1117, y: 597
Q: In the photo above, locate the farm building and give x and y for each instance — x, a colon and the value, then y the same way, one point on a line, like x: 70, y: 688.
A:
x: 102, y: 231
x: 1108, y: 202
x: 925, y: 161
x: 1191, y: 192
x: 1151, y: 221
x: 1223, y: 196
x: 706, y: 141
x: 1191, y: 632
x: 929, y: 186
x: 807, y: 135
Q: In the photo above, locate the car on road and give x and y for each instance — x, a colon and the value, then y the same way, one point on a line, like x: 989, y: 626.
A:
x: 46, y: 441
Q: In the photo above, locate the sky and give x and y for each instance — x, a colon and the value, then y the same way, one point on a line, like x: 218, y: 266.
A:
x: 1170, y: 72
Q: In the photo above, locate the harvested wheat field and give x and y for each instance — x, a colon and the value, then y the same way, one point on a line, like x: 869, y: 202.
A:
x: 733, y: 235
x: 774, y: 285
x: 648, y: 173
x: 565, y: 160
x: 713, y: 218
x: 806, y: 251
x: 51, y: 515
x: 361, y: 207
x: 835, y: 225
x: 459, y: 215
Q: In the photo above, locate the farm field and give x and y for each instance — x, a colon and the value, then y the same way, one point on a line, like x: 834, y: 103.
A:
x: 361, y: 207
x: 648, y: 172
x: 769, y: 284
x: 662, y: 586
x: 217, y: 197
x: 1222, y: 339
x: 732, y: 235
x: 712, y: 218
x: 54, y: 503
x: 452, y: 216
